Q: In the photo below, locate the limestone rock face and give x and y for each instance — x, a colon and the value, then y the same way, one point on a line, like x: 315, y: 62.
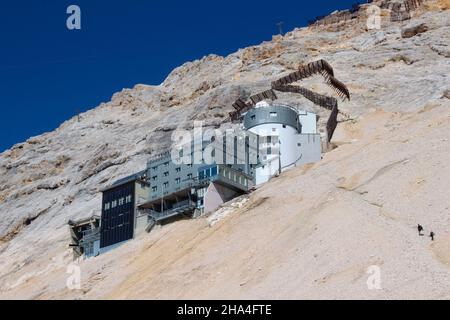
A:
x: 397, y: 76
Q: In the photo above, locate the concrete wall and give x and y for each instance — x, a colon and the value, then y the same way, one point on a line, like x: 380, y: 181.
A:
x: 311, y: 148
x: 216, y: 195
x: 264, y: 173
x: 309, y: 122
x: 140, y: 224
x: 142, y: 194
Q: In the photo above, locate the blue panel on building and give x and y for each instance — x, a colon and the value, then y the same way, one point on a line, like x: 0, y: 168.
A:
x: 117, y: 215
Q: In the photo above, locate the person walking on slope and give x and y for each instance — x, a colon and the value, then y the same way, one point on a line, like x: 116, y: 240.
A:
x: 432, y: 235
x: 420, y: 228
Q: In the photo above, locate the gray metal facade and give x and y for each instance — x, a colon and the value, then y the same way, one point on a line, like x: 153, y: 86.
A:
x: 166, y: 177
x: 273, y: 114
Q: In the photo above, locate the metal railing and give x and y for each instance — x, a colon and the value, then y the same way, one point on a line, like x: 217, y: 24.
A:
x: 180, y: 208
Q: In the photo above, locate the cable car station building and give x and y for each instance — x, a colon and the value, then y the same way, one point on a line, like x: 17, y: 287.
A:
x: 272, y: 138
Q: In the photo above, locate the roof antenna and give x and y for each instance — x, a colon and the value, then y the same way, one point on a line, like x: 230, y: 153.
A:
x: 280, y: 27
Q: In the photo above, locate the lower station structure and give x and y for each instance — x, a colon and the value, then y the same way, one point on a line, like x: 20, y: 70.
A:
x: 272, y: 138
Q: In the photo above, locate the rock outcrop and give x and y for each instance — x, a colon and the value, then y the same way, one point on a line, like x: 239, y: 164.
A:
x: 58, y: 176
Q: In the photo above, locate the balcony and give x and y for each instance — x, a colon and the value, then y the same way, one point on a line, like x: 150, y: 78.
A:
x: 235, y: 178
x: 180, y: 208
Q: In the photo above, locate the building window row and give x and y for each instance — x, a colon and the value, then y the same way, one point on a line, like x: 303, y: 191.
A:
x: 120, y: 202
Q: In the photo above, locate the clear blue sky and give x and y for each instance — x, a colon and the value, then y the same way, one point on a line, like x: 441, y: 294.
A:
x: 48, y: 73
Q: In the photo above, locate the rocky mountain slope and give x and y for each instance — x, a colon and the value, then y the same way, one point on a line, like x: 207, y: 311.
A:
x: 311, y: 233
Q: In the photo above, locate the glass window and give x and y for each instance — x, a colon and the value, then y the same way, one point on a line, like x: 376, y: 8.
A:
x: 155, y: 168
x: 154, y: 178
x: 114, y: 204
x: 201, y: 175
x: 107, y: 206
x: 253, y: 117
x: 155, y: 188
x: 269, y: 139
x: 177, y: 180
x: 208, y: 173
x: 128, y: 199
x: 166, y: 174
x: 166, y: 184
x: 189, y: 176
x: 273, y: 114
x: 178, y: 169
x: 213, y: 171
x: 121, y: 201
x: 166, y: 164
